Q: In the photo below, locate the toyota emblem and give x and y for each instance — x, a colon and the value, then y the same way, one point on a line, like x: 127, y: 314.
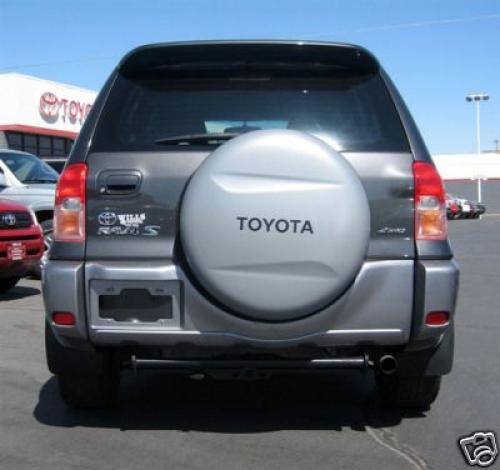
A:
x: 107, y: 218
x: 9, y: 220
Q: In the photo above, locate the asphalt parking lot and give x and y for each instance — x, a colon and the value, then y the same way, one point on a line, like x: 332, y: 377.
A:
x: 293, y: 423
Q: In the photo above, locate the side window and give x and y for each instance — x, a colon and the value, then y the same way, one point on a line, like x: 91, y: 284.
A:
x: 15, y: 140
x: 59, y: 147
x: 44, y: 144
x: 69, y: 145
x: 30, y: 143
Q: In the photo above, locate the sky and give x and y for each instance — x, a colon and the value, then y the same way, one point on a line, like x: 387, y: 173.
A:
x: 435, y: 51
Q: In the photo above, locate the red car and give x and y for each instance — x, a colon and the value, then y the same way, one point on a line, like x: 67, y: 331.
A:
x: 21, y: 243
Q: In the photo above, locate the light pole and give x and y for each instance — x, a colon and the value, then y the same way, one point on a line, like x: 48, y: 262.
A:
x: 476, y: 98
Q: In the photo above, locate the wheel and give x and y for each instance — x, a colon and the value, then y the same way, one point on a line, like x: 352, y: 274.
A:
x: 7, y: 284
x: 48, y: 230
x: 86, y: 379
x: 408, y: 392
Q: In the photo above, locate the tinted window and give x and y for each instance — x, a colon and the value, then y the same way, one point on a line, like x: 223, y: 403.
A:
x: 59, y: 148
x: 353, y: 113
x: 69, y: 144
x: 15, y: 140
x: 42, y: 145
x: 30, y: 143
x: 28, y: 168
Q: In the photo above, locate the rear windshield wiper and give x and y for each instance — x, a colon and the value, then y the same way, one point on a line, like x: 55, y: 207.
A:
x: 188, y: 139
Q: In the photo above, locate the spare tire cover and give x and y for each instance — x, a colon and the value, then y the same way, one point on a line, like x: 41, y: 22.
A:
x: 275, y: 224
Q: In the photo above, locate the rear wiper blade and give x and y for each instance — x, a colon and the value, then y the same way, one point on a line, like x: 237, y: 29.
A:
x: 197, y: 138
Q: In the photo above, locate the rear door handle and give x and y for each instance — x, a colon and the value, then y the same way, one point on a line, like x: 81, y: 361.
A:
x: 120, y: 183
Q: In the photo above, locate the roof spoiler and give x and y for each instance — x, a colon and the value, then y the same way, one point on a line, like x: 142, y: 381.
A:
x: 194, y: 59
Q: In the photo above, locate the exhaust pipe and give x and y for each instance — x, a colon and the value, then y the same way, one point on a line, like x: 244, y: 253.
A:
x: 388, y: 364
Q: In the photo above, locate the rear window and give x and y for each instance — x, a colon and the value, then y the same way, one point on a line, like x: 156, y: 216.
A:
x: 352, y: 113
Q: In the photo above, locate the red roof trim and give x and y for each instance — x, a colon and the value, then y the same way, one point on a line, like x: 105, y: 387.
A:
x: 38, y: 130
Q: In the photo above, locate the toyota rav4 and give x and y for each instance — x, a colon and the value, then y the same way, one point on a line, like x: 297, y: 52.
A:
x: 250, y: 208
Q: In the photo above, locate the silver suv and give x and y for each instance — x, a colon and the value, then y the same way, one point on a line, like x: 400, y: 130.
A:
x: 250, y: 208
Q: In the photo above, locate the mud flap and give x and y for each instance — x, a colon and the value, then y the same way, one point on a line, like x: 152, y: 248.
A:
x: 437, y: 360
x: 62, y: 360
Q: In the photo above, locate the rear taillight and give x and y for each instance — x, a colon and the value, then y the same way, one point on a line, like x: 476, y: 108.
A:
x: 430, y: 205
x: 437, y: 318
x: 63, y: 318
x: 69, y: 211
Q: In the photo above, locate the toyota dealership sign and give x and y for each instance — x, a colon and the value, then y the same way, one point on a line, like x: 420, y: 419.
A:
x: 36, y: 105
x: 53, y: 108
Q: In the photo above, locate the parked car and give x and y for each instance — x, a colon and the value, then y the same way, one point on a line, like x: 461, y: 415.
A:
x: 250, y: 208
x: 27, y: 179
x: 468, y: 208
x: 453, y: 210
x: 477, y: 209
x: 474, y: 209
x: 481, y: 208
x: 461, y: 208
x: 21, y: 243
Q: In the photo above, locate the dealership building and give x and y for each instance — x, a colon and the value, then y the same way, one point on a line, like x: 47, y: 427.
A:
x: 40, y: 116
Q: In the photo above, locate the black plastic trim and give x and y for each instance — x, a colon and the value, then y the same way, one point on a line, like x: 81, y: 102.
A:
x: 417, y: 144
x: 70, y: 251
x: 171, y: 57
x: 433, y: 249
x: 434, y: 360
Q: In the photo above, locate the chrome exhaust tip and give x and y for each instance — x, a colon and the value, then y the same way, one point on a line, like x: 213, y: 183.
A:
x: 388, y: 364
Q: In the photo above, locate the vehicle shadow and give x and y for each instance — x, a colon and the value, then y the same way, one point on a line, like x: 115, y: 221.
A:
x: 19, y: 292
x: 153, y: 401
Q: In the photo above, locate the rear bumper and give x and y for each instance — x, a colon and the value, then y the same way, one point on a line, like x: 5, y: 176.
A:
x: 436, y: 289
x: 379, y: 309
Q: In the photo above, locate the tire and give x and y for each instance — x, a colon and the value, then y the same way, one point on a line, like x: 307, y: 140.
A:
x: 48, y: 230
x: 7, y: 284
x: 408, y: 392
x: 86, y: 379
